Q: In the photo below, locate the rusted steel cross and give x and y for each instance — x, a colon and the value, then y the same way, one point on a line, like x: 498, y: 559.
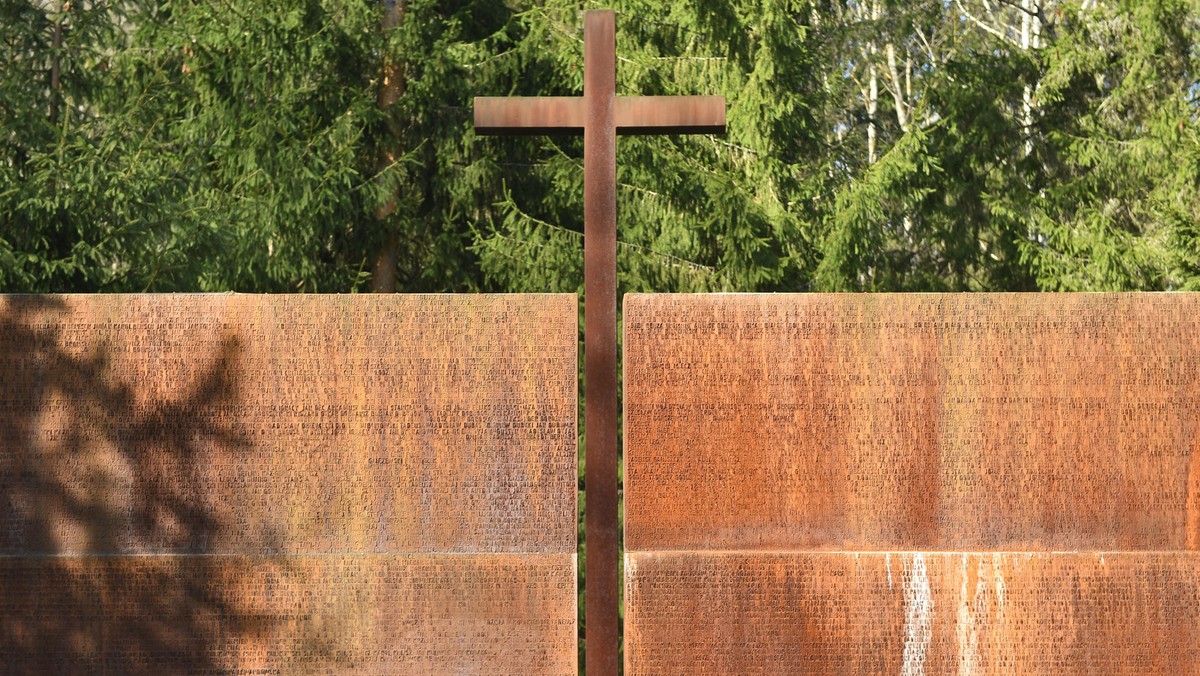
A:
x: 600, y: 115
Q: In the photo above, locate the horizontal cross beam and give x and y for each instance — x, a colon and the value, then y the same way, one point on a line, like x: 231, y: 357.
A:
x: 531, y: 115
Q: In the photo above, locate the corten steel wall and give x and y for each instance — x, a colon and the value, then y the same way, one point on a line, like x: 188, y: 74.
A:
x: 288, y: 484
x: 912, y: 483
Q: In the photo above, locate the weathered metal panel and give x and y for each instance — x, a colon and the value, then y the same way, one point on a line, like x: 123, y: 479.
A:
x: 346, y: 439
x: 327, y: 614
x: 959, y: 422
x: 912, y: 483
x: 912, y: 613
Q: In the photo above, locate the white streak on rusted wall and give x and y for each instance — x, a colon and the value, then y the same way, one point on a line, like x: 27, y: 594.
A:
x: 918, y: 621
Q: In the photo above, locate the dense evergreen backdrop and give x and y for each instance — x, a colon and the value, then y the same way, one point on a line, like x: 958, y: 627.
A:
x: 326, y: 145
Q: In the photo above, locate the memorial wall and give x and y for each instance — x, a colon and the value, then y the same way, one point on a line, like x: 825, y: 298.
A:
x: 288, y: 484
x: 990, y: 483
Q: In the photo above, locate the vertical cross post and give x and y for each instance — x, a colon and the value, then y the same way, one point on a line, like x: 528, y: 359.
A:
x: 601, y: 621
x: 600, y: 115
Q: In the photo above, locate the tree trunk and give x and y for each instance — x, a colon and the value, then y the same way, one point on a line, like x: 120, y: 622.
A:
x: 898, y: 95
x: 873, y: 88
x: 56, y: 59
x: 1027, y: 41
x: 391, y: 88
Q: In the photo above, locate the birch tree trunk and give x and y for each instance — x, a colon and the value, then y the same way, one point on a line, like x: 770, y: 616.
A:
x: 1027, y: 28
x: 872, y: 89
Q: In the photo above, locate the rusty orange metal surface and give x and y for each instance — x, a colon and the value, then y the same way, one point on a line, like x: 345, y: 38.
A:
x: 979, y: 422
x: 377, y: 614
x: 912, y: 613
x: 985, y: 483
x: 601, y: 623
x: 535, y: 115
x: 670, y: 115
x: 351, y: 444
x: 526, y: 115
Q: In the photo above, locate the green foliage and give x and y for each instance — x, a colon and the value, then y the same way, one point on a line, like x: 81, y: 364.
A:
x: 697, y: 213
x: 1062, y: 162
x: 871, y: 146
x: 1119, y: 180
